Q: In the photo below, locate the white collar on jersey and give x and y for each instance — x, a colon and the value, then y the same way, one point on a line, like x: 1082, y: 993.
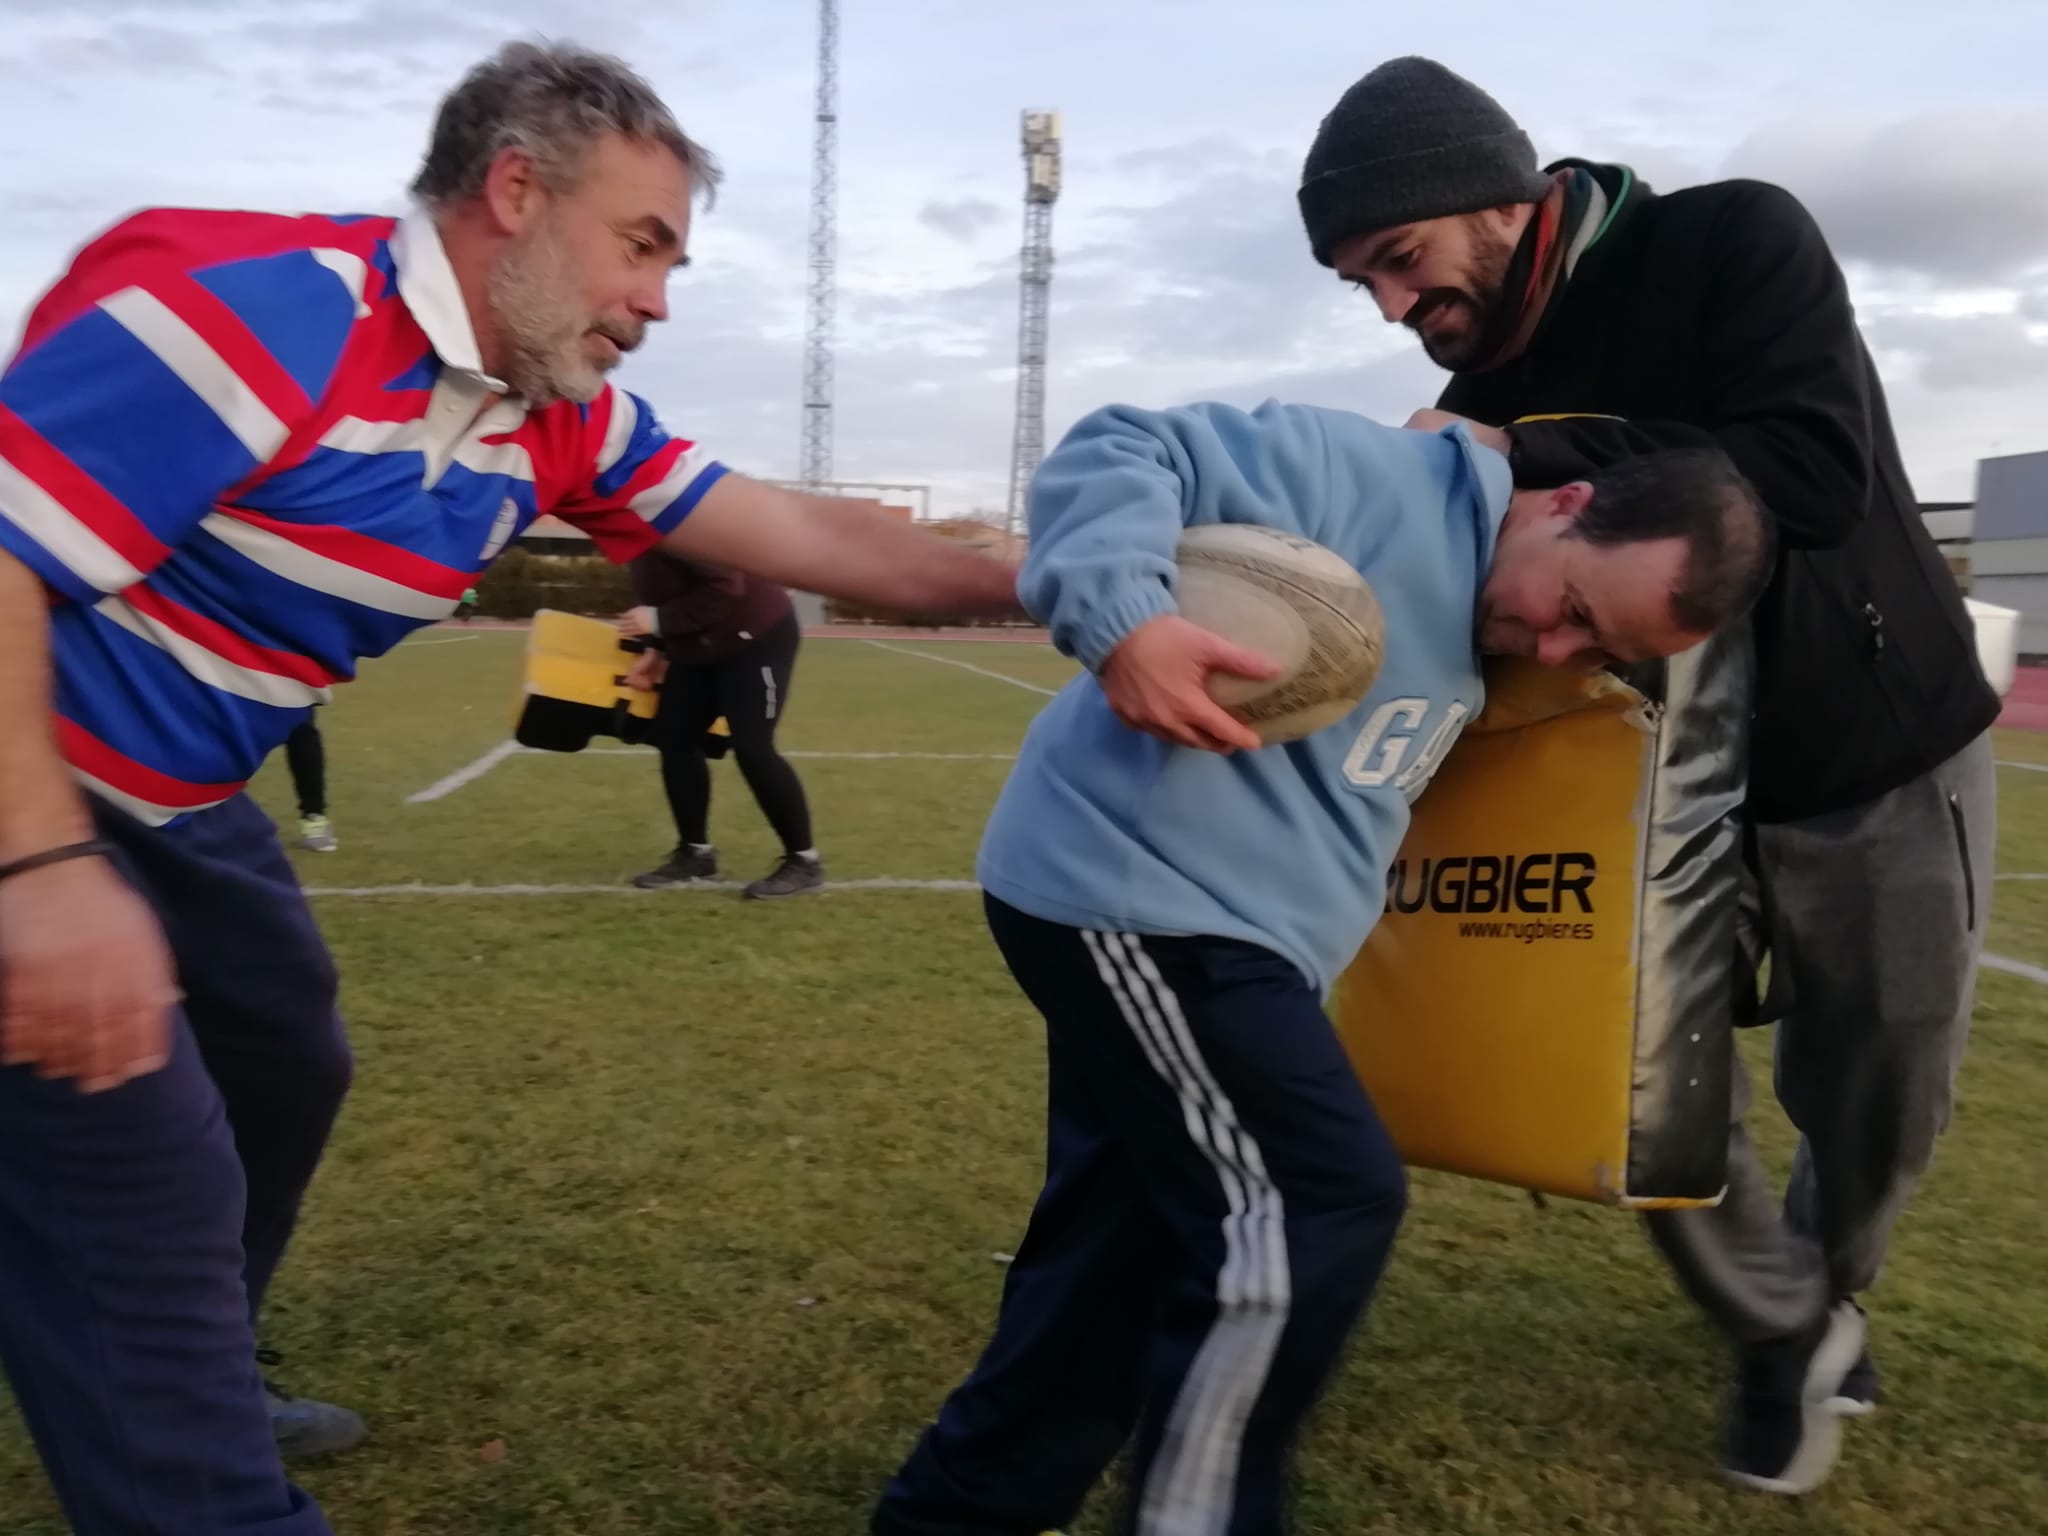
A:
x: 427, y: 284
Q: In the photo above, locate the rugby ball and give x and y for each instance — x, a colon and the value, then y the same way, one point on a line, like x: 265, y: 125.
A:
x: 1290, y: 599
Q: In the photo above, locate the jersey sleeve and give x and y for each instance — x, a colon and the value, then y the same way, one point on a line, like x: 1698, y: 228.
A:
x: 636, y: 483
x: 1109, y: 503
x: 154, y: 375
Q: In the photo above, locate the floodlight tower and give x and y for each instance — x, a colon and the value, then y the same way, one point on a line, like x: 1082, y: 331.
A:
x: 1041, y: 190
x: 815, y: 461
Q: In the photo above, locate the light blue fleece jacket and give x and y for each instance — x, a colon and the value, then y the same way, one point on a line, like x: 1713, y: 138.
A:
x: 1104, y: 827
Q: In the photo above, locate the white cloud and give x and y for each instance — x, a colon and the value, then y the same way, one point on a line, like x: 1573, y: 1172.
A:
x: 1960, y: 195
x: 963, y: 219
x: 1181, y: 268
x: 135, y: 46
x: 1972, y: 352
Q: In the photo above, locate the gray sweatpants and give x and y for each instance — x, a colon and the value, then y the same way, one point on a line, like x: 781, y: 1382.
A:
x: 1876, y: 920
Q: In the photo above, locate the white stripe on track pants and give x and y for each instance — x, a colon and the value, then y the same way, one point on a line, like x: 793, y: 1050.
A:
x: 1219, y: 1204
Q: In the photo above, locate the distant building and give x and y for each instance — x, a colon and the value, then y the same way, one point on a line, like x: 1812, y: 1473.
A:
x: 1948, y: 523
x: 2008, y: 542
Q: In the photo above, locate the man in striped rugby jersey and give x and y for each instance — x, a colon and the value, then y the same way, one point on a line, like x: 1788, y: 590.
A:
x: 238, y: 453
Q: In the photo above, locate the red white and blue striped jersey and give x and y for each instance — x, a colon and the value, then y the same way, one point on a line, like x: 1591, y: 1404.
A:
x: 245, y: 450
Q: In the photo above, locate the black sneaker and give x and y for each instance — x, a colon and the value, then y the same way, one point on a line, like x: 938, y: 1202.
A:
x: 305, y: 1428
x: 683, y: 866
x: 1783, y: 1436
x: 796, y: 875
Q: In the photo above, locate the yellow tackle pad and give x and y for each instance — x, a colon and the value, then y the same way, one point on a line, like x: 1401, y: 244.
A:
x: 1547, y: 1000
x: 575, y: 685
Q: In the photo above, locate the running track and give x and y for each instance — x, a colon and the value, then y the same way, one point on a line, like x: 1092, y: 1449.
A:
x: 2026, y: 707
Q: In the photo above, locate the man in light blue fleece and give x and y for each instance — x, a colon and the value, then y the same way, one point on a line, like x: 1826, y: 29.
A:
x: 1220, y: 1197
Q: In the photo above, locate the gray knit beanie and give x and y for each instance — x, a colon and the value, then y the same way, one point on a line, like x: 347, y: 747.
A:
x: 1412, y: 141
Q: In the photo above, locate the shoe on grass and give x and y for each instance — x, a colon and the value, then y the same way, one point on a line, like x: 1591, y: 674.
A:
x: 1783, y: 1433
x: 798, y: 874
x: 306, y: 1428
x: 1861, y: 1390
x: 686, y: 864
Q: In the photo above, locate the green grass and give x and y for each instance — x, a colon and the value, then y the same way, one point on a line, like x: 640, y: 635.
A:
x: 694, y: 1204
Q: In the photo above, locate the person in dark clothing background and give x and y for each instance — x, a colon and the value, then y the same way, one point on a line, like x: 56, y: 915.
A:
x: 731, y: 645
x: 1717, y: 315
x: 306, y: 755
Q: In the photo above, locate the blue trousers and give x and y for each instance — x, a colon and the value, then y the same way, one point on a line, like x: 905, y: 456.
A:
x: 1219, y: 1203
x: 139, y: 1227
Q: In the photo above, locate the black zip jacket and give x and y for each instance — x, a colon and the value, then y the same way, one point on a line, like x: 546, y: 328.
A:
x: 1716, y: 314
x: 706, y: 613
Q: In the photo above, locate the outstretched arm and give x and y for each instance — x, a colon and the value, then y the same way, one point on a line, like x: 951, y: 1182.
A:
x: 840, y: 548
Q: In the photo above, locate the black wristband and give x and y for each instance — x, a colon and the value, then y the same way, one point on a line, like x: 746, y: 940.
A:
x: 87, y: 850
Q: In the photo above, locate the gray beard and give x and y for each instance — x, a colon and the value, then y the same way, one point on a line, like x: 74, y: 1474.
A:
x: 542, y: 331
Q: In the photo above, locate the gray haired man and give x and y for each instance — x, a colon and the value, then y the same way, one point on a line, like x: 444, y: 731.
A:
x: 238, y: 452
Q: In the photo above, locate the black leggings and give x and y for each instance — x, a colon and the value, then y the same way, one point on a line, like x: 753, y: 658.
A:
x: 751, y: 690
x: 304, y: 752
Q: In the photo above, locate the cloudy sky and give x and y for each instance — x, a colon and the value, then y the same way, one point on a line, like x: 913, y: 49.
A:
x: 1917, y: 132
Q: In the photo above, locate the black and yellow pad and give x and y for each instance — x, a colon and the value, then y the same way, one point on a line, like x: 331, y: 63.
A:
x: 1546, y: 1001
x: 575, y: 685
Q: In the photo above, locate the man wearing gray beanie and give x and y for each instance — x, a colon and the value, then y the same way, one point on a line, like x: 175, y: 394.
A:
x: 1585, y: 319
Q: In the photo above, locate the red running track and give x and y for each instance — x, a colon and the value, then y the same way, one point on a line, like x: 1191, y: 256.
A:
x: 2026, y: 707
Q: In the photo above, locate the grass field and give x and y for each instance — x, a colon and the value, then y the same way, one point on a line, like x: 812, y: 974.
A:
x: 691, y: 1208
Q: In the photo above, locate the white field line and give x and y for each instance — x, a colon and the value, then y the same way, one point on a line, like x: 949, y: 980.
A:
x: 2019, y: 968
x: 483, y: 765
x: 2007, y: 762
x: 1990, y: 962
x: 882, y: 883
x: 469, y: 774
x: 964, y: 666
x: 414, y: 645
x: 826, y: 757
x: 465, y: 775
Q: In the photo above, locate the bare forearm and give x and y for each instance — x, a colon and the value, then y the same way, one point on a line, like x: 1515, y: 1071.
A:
x: 40, y: 806
x: 842, y: 549
x: 892, y: 564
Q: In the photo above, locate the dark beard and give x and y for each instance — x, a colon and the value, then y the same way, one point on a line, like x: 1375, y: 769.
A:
x: 1485, y: 298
